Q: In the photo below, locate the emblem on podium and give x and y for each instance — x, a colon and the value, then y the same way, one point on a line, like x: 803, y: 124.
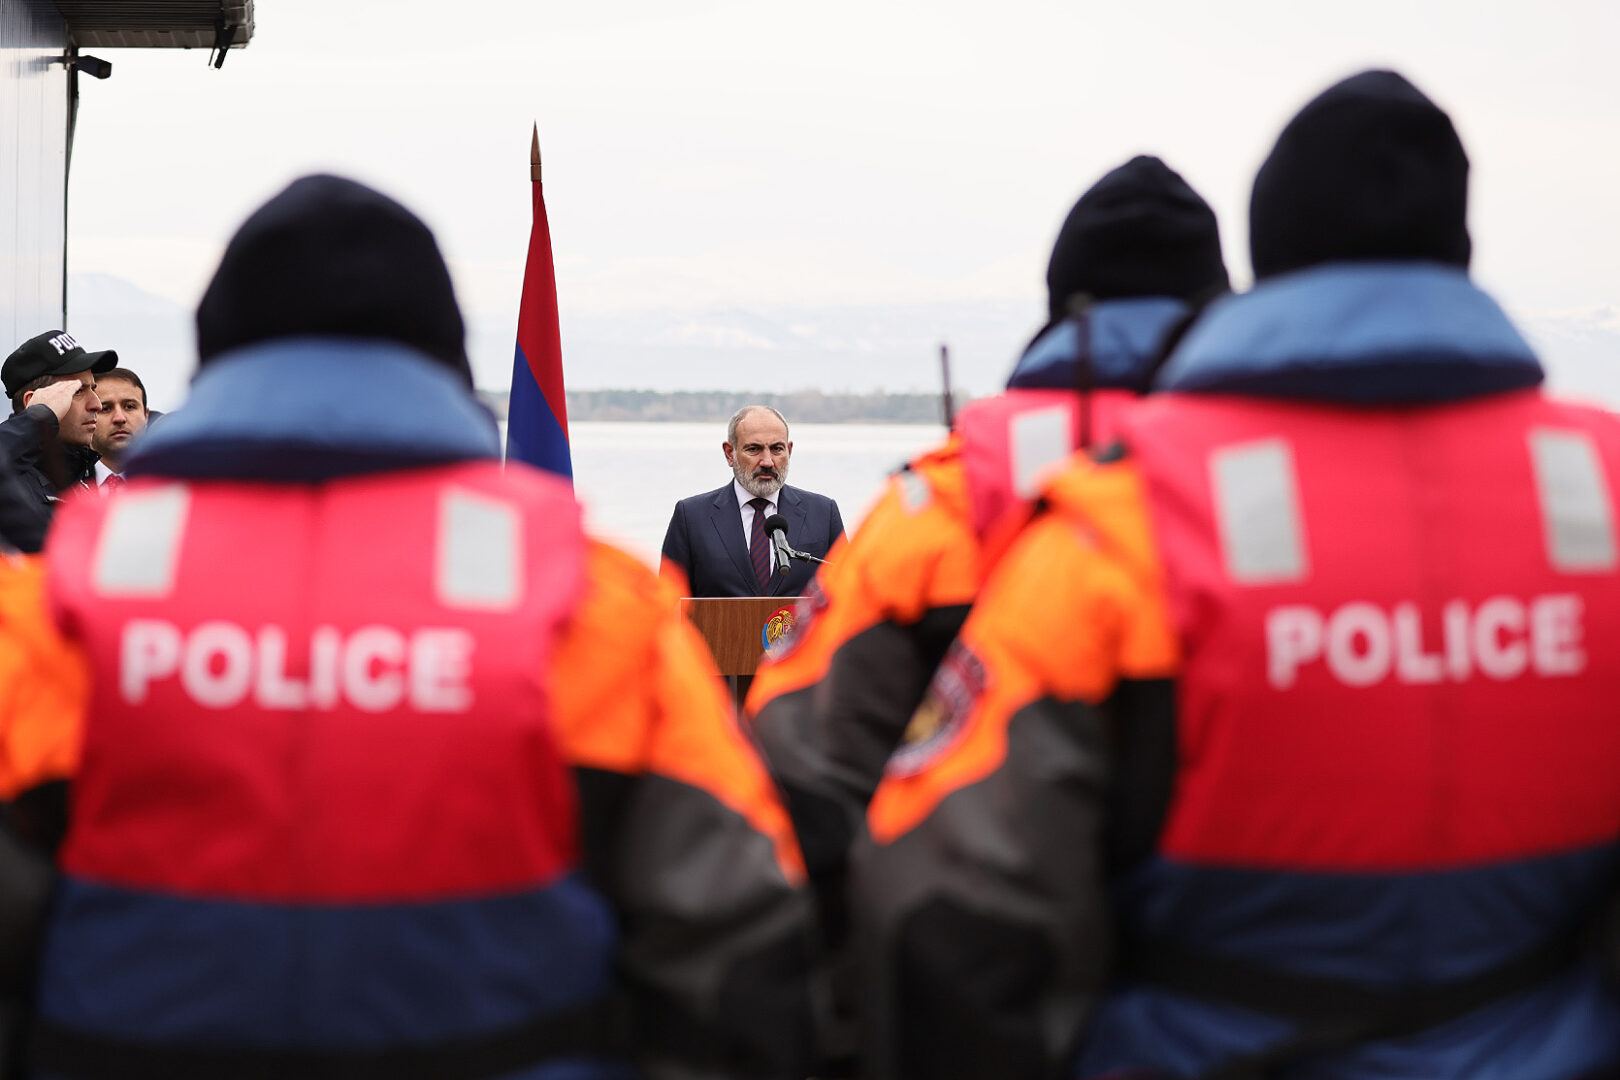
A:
x: 777, y: 633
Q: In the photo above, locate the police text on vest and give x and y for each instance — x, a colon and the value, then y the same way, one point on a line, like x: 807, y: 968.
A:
x: 373, y: 668
x: 1362, y: 644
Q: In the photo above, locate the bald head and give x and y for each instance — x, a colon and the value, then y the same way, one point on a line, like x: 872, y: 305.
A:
x: 743, y: 413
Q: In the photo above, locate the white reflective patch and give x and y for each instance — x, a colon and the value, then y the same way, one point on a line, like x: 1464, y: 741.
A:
x: 1577, y: 518
x: 480, y: 552
x: 139, y: 547
x: 1257, y: 512
x: 915, y: 494
x: 1038, y: 440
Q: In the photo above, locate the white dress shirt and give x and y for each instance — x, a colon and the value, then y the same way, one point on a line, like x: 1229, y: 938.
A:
x: 744, y: 496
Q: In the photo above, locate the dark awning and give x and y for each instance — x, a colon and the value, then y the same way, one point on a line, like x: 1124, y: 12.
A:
x: 157, y: 24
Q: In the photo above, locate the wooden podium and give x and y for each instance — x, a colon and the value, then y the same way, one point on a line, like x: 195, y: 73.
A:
x: 734, y: 627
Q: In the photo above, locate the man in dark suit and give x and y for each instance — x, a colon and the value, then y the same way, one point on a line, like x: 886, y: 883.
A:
x: 718, y: 539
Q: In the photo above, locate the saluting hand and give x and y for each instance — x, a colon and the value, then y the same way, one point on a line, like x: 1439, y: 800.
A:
x: 58, y: 396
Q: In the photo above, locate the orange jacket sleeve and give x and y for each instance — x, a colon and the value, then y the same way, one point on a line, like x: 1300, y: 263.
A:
x: 44, y: 684
x: 872, y: 629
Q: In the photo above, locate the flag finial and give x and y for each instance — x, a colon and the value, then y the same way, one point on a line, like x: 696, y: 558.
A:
x: 534, y: 155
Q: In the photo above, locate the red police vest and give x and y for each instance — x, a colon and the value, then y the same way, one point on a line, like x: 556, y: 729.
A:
x: 1014, y: 441
x: 1401, y: 629
x: 321, y: 692
x: 320, y: 808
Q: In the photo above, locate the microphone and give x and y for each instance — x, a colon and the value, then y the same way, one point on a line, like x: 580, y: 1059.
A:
x: 776, y: 527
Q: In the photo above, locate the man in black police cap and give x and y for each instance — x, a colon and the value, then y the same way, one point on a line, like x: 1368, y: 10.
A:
x: 45, y: 444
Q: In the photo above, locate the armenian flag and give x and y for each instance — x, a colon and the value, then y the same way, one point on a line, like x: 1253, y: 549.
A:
x: 537, y: 413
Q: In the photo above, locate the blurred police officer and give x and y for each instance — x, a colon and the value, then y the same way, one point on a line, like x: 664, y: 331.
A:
x: 1136, y: 257
x: 1343, y: 616
x: 387, y: 768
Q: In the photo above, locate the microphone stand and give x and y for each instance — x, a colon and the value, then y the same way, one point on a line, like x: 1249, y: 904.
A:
x: 791, y: 553
x: 776, y: 526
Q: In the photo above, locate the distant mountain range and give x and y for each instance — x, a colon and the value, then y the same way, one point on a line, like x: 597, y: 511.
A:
x: 848, y: 349
x: 153, y: 336
x: 777, y: 350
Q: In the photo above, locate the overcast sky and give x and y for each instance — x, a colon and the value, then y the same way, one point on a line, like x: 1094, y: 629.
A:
x: 904, y: 164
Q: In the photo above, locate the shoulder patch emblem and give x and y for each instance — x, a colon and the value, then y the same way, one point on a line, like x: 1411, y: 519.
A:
x: 915, y: 491
x: 942, y: 717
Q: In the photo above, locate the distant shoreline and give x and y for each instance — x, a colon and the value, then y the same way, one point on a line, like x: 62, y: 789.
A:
x: 800, y: 406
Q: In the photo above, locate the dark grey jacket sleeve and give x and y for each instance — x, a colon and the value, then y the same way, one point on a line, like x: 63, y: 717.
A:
x: 981, y: 934
x: 25, y: 490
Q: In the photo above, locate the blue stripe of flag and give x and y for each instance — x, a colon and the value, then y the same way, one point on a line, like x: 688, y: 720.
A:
x: 532, y: 432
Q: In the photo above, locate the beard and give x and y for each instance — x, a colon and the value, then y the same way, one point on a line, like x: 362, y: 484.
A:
x: 761, y: 487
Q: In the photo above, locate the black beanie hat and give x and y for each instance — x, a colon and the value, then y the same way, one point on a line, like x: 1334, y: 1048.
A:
x: 329, y: 256
x: 1139, y: 231
x: 1370, y: 169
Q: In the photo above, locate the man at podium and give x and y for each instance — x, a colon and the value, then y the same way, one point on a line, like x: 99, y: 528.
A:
x: 720, y: 541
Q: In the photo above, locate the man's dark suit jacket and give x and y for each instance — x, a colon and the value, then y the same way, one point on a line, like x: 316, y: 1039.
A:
x: 705, y: 539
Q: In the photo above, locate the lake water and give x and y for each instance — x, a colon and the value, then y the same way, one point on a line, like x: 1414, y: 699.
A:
x: 630, y: 475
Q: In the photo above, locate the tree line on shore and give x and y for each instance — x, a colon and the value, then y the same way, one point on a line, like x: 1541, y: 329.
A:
x: 799, y: 406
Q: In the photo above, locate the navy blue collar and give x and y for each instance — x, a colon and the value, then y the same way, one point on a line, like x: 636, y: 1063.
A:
x: 308, y: 409
x: 1122, y: 341
x: 1356, y: 333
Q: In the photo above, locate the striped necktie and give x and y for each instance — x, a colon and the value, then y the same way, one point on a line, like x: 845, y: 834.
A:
x: 759, y: 547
